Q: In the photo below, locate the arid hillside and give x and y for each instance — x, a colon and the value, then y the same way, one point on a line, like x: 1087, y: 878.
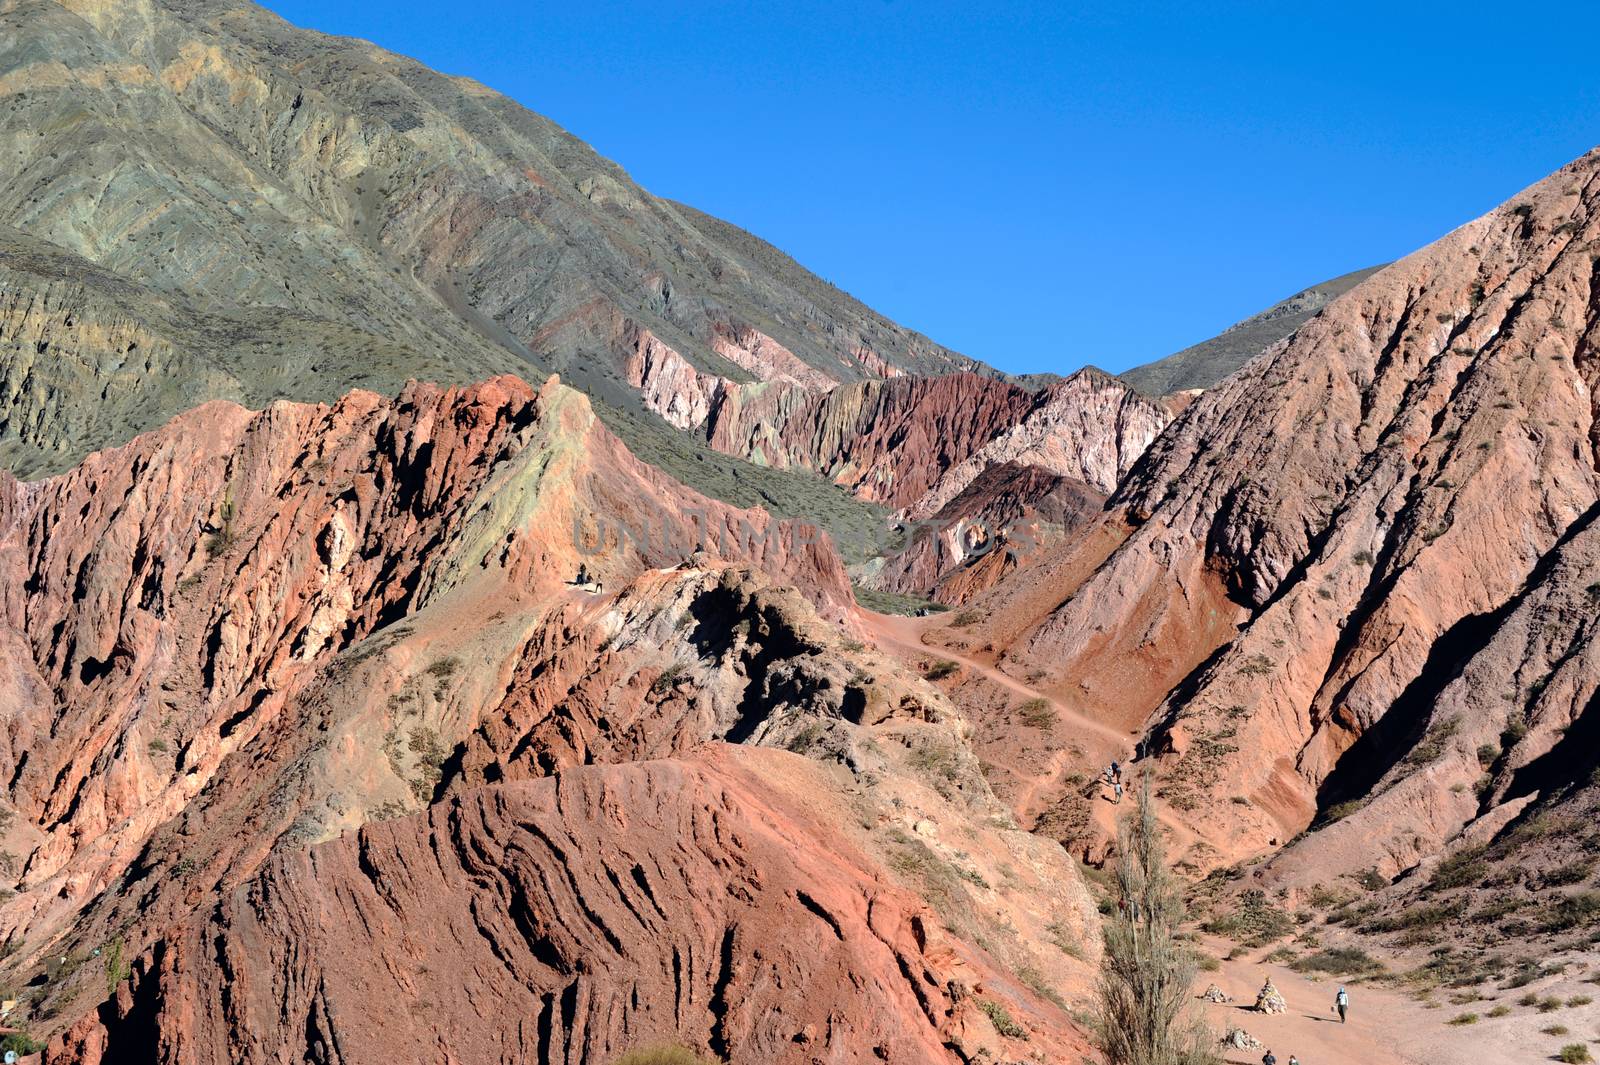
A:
x: 252, y: 650
x: 1344, y: 605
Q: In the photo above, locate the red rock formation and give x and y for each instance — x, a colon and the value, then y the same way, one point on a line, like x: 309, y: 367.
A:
x: 1002, y: 519
x: 571, y: 919
x: 249, y: 633
x: 167, y: 599
x: 886, y: 441
x: 1307, y: 584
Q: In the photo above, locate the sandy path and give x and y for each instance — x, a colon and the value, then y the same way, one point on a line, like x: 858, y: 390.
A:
x: 1311, y: 1030
x: 906, y: 634
x: 1100, y: 742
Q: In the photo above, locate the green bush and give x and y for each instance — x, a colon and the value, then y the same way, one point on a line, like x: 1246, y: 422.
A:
x: 1003, y: 1022
x: 1036, y: 713
x: 22, y: 1043
x: 941, y: 669
x: 1574, y: 1054
x: 1459, y: 869
x: 1464, y: 1018
x: 1341, y: 961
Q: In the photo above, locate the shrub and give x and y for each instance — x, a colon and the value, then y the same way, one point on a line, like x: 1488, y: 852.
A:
x: 444, y: 667
x: 1258, y: 666
x: 1036, y: 713
x: 940, y: 669
x: 1003, y: 1022
x: 1574, y: 1054
x: 667, y: 678
x: 1459, y: 869
x: 1342, y: 810
x: 1555, y: 1029
x: 1255, y: 921
x: 1341, y: 961
x: 1573, y: 911
x: 1549, y: 1004
x: 965, y: 618
x: 1579, y: 1000
x: 158, y: 746
x: 1571, y: 873
x: 22, y: 1043
x: 1464, y: 1018
x: 1432, y: 745
x: 1500, y: 1011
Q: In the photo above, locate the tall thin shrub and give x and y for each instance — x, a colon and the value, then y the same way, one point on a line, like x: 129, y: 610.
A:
x: 1145, y: 1014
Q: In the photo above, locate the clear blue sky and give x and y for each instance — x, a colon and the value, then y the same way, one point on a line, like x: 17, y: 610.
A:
x: 1045, y: 185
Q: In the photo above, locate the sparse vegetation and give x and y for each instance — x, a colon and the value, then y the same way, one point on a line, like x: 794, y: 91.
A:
x: 116, y: 966
x: 940, y: 669
x: 1463, y: 1019
x: 1255, y: 921
x: 220, y: 541
x: 1340, y: 961
x: 1432, y: 745
x: 1574, y: 1054
x: 667, y: 679
x: 1003, y: 1022
x: 1036, y: 713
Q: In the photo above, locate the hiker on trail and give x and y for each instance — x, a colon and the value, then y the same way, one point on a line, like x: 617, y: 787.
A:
x: 1341, y: 1002
x: 1116, y: 770
x: 1293, y: 1060
x: 1269, y: 1058
x: 583, y: 574
x: 1117, y: 786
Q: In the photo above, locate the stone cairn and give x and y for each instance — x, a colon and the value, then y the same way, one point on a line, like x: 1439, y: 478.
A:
x: 1239, y: 1039
x: 1270, y: 1000
x: 1215, y: 994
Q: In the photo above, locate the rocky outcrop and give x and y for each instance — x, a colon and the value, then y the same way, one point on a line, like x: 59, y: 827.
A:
x: 885, y: 441
x: 963, y: 457
x: 1087, y: 427
x: 1001, y: 520
x: 170, y: 598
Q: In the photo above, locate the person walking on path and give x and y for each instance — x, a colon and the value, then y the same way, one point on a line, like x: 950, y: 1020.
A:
x: 1269, y: 1058
x: 1293, y: 1060
x: 1341, y: 1002
x: 1117, y: 789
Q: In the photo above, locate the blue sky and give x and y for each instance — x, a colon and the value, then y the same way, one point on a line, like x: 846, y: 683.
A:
x: 1045, y: 185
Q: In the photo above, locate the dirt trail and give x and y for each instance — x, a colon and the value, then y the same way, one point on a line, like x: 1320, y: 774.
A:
x: 906, y: 633
x: 1311, y: 1030
x: 1101, y: 743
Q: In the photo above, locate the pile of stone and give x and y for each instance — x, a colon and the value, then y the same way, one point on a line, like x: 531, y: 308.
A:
x: 1215, y: 994
x: 1239, y: 1039
x: 1270, y: 1000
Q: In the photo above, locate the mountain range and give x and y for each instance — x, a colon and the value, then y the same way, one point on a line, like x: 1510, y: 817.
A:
x: 459, y: 605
